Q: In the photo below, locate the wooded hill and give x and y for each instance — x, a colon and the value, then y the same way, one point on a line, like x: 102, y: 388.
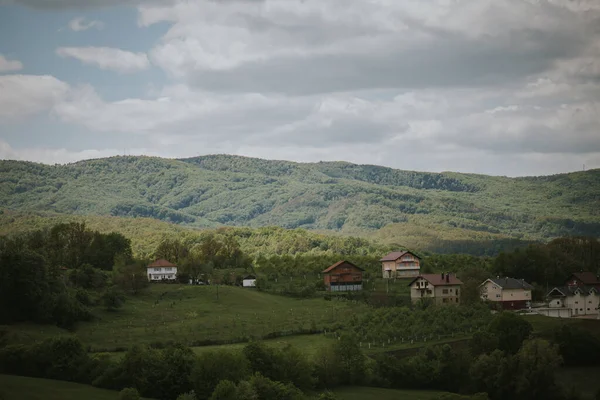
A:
x: 429, y: 211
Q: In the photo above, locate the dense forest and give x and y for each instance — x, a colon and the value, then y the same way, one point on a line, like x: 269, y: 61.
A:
x: 447, y: 212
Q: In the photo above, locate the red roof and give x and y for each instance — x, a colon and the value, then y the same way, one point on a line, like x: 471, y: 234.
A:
x: 161, y: 263
x: 437, y: 280
x: 588, y: 278
x: 337, y: 264
x: 394, y: 255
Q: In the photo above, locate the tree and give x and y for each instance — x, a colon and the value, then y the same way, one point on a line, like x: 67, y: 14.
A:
x: 131, y: 278
x: 538, y: 363
x: 129, y: 394
x: 225, y: 390
x: 511, y: 330
x: 352, y: 363
x: 113, y: 299
x: 212, y: 367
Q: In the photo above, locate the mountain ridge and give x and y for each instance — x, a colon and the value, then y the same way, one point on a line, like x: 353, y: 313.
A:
x: 224, y: 190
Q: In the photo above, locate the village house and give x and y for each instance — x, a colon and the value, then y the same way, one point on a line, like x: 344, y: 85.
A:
x: 509, y: 293
x: 162, y: 270
x: 343, y: 276
x: 444, y: 288
x: 580, y: 296
x: 400, y: 264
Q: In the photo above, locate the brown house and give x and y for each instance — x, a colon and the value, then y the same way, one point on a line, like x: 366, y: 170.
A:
x: 579, y: 279
x: 400, y: 264
x: 343, y: 276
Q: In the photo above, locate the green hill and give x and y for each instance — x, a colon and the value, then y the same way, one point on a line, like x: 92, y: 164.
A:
x: 416, y: 209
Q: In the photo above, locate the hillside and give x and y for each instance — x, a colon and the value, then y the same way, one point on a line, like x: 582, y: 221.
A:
x: 416, y: 209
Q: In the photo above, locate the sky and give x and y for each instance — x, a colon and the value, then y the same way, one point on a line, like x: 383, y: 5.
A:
x: 500, y: 87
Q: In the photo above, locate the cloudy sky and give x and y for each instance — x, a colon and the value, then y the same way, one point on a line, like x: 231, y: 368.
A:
x: 502, y: 87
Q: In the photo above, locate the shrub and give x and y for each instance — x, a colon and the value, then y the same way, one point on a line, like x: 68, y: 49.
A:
x: 129, y: 394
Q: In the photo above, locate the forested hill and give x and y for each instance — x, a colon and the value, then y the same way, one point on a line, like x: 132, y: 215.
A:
x: 411, y: 208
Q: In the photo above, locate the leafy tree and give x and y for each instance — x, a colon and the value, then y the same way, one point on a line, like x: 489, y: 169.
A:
x: 511, y: 330
x: 225, y: 390
x: 187, y: 396
x: 129, y: 394
x: 538, y: 363
x: 131, y: 278
x: 212, y: 367
x: 113, y: 299
x: 577, y: 347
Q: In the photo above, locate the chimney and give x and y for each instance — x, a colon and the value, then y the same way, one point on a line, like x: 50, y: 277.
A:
x: 442, y: 276
x: 447, y: 277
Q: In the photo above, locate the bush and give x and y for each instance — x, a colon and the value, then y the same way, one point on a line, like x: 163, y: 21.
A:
x: 129, y: 394
x: 113, y: 299
x: 187, y: 396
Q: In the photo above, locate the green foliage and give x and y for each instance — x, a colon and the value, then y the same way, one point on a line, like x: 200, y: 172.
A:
x: 129, y: 394
x: 438, y: 212
x: 225, y: 390
x: 212, y: 367
x: 510, y: 330
x: 327, y: 395
x: 113, y: 298
x: 577, y: 346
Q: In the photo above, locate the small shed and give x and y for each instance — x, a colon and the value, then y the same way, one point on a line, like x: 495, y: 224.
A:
x: 249, y: 281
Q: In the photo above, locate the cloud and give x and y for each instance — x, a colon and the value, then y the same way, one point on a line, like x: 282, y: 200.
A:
x: 7, y: 65
x: 22, y: 95
x: 107, y: 58
x: 319, y: 47
x: 61, y: 155
x: 80, y: 24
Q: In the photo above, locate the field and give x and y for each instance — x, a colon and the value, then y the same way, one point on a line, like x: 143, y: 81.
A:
x: 193, y: 315
x: 368, y: 393
x: 584, y: 379
x: 21, y: 388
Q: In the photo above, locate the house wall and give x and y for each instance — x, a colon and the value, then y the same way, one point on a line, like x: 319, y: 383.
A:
x: 554, y: 312
x: 159, y: 273
x: 491, y: 292
x: 344, y: 274
x: 249, y: 282
x: 582, y: 305
x: 444, y: 294
x: 407, y: 266
x: 516, y: 295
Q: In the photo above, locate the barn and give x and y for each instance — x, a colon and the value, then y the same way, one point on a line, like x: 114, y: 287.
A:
x: 343, y: 276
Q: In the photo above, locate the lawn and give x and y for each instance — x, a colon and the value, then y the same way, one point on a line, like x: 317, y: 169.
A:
x: 368, y: 393
x: 544, y: 326
x: 21, y: 388
x: 584, y: 379
x: 193, y: 315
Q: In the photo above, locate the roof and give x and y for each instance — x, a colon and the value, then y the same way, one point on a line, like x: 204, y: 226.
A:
x: 511, y: 283
x: 394, y: 255
x: 570, y: 290
x: 337, y: 264
x: 161, y: 263
x: 437, y: 280
x: 588, y: 278
x: 249, y: 277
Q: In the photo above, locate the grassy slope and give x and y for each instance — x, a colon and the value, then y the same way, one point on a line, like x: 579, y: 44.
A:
x: 21, y: 388
x: 368, y: 393
x: 417, y: 209
x: 191, y: 314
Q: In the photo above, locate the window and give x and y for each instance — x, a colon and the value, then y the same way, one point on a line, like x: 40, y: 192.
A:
x: 156, y: 269
x: 169, y: 269
x: 450, y: 290
x: 445, y: 291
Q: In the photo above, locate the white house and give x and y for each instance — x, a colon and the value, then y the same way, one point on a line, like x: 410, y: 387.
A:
x: 249, y: 281
x: 162, y: 270
x: 579, y: 300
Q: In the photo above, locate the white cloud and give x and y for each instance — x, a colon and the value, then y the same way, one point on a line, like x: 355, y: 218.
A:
x: 107, y: 58
x: 22, y: 95
x: 7, y: 65
x: 61, y: 155
x: 81, y: 24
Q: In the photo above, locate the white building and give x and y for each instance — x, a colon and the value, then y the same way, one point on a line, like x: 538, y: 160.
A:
x: 580, y: 300
x: 162, y: 270
x: 249, y: 281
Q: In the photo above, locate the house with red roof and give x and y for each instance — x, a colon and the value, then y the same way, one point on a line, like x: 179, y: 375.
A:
x: 400, y: 264
x: 444, y: 288
x: 161, y: 270
x: 343, y: 276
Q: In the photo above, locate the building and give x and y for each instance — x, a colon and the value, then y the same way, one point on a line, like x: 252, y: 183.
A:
x: 162, y: 270
x: 444, y: 288
x: 343, y: 276
x: 249, y: 281
x: 509, y: 293
x: 400, y: 264
x: 580, y: 295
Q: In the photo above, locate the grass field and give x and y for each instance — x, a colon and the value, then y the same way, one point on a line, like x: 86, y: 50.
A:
x: 544, y: 326
x: 584, y: 379
x: 368, y: 393
x: 21, y: 388
x: 192, y: 314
